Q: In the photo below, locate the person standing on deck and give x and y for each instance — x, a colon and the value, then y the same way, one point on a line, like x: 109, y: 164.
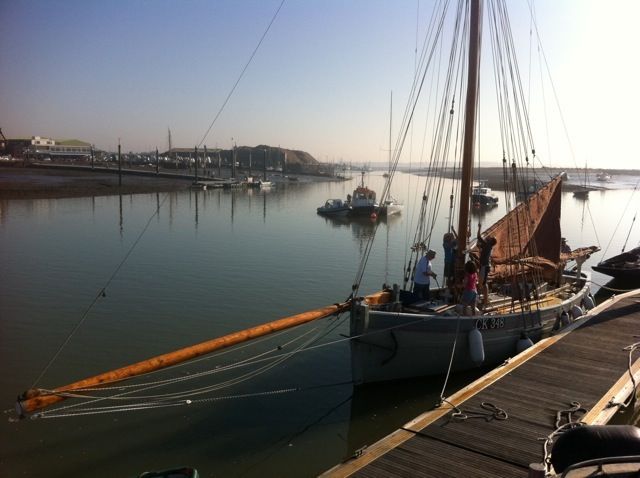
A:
x: 485, y: 246
x: 423, y: 275
x: 470, y: 283
x: 449, y: 244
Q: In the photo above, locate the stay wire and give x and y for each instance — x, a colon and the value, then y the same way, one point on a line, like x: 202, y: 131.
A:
x: 635, y: 189
x: 273, y: 19
x: 101, y: 293
x: 128, y: 390
x: 54, y: 412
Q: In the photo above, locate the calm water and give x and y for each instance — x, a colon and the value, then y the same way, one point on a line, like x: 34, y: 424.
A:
x: 209, y: 263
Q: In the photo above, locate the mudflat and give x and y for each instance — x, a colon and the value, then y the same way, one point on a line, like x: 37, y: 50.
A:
x: 31, y: 183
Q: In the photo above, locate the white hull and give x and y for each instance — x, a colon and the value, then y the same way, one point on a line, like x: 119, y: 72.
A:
x: 393, y: 345
x: 393, y: 208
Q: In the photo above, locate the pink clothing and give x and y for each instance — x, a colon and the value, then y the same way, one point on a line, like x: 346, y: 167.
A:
x: 471, y: 281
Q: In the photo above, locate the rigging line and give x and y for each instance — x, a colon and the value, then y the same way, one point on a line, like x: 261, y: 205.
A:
x: 286, y: 441
x: 273, y: 19
x: 123, y: 396
x: 150, y: 385
x: 218, y: 369
x: 285, y: 355
x: 553, y: 88
x: 176, y: 395
x: 453, y: 353
x: 620, y: 220
x: 101, y: 293
x: 624, y: 246
x: 176, y: 403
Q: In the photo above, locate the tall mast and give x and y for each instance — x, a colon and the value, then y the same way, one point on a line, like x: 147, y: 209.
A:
x: 390, y: 123
x: 469, y: 129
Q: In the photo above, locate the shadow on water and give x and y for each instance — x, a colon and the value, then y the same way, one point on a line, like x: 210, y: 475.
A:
x: 374, y: 407
x: 613, y: 287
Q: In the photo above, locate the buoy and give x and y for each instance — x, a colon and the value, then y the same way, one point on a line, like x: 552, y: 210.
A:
x: 564, y: 318
x: 588, y: 302
x: 476, y: 346
x: 577, y: 312
x: 523, y: 343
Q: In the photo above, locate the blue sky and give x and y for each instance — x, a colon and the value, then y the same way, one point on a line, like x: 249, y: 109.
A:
x: 102, y: 70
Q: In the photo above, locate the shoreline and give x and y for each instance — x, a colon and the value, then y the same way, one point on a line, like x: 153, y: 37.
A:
x: 59, y: 182
x: 30, y: 183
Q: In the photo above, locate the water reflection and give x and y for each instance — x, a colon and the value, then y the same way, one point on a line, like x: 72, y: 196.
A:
x: 361, y: 227
x: 480, y: 211
x: 375, y: 404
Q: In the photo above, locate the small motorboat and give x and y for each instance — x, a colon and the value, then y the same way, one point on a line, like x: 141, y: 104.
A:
x: 481, y: 195
x: 334, y: 207
x: 625, y: 266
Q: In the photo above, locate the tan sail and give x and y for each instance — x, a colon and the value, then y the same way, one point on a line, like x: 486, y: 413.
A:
x: 36, y: 399
x: 529, y: 235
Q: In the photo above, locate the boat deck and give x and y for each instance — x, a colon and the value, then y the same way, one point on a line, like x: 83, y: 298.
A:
x: 584, y: 367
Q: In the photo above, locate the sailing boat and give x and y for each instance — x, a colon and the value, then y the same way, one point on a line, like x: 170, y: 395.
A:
x: 583, y: 191
x: 390, y: 205
x: 530, y: 293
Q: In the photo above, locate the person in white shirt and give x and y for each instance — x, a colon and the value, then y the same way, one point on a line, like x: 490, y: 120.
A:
x: 423, y: 275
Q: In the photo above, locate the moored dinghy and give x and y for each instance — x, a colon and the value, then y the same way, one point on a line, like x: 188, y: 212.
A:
x: 334, y: 207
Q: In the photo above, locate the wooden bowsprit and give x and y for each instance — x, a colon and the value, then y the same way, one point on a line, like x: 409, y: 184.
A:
x: 36, y: 399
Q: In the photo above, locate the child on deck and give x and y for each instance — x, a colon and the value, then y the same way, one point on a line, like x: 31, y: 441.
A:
x: 470, y: 291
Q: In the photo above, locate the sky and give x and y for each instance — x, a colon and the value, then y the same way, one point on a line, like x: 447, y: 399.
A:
x: 320, y: 81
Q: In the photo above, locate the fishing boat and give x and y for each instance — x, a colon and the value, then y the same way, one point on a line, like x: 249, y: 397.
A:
x: 483, y: 195
x: 334, y: 207
x: 363, y: 200
x: 624, y: 266
x: 529, y: 291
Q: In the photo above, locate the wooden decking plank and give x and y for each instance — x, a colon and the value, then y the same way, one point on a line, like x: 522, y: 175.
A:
x: 423, y: 457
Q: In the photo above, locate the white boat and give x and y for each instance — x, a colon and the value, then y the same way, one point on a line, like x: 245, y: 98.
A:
x: 334, y: 207
x: 390, y: 207
x: 529, y: 292
x: 603, y: 176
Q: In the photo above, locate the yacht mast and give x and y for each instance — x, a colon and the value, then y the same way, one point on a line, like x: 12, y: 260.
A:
x: 469, y: 130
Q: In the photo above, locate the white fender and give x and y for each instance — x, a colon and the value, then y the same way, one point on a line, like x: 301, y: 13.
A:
x: 577, y: 312
x: 564, y: 318
x: 476, y: 346
x: 523, y: 344
x: 588, y: 302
